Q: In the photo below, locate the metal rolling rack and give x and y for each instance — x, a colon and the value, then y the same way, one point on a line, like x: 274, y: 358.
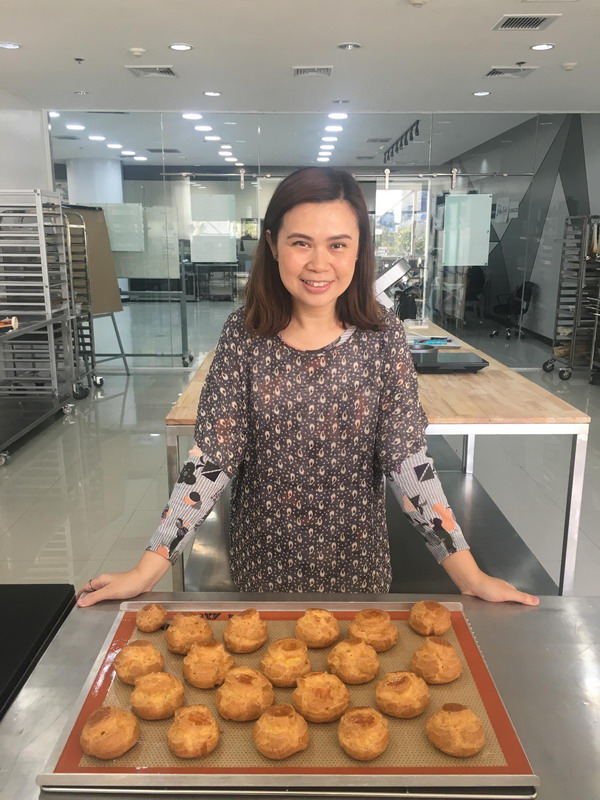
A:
x: 36, y: 360
x: 84, y: 355
x: 594, y: 368
x: 579, y: 280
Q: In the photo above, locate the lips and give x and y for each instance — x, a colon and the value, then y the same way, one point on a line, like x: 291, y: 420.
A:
x: 316, y: 283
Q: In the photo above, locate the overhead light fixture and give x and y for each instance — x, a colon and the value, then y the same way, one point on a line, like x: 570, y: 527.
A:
x: 53, y: 114
x: 349, y: 46
x: 115, y: 146
x: 546, y: 46
x: 239, y: 163
x: 402, y: 141
x: 322, y: 158
x: 9, y: 45
x: 80, y: 92
x: 224, y: 153
x: 191, y: 115
x: 212, y: 138
x: 75, y: 127
x: 329, y: 139
x: 334, y: 128
x: 180, y: 46
x: 230, y: 123
x: 327, y: 147
x: 325, y: 153
x: 481, y: 94
x: 338, y: 115
x: 231, y: 158
x: 212, y: 94
x: 140, y: 158
x: 95, y: 138
x: 127, y: 152
x: 202, y: 127
x: 340, y: 101
x: 225, y: 147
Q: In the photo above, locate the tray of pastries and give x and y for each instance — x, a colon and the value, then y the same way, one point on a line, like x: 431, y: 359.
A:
x: 197, y: 697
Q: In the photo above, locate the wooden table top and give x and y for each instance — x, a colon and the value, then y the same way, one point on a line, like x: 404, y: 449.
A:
x: 495, y: 395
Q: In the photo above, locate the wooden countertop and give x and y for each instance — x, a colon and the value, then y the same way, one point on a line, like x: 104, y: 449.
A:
x: 496, y: 395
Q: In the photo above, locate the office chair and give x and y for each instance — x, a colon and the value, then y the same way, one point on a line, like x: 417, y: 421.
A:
x: 513, y: 307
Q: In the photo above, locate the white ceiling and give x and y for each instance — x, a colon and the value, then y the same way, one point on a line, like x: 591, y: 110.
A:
x: 413, y: 61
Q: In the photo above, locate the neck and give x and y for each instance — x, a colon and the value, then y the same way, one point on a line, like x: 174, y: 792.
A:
x: 311, y: 328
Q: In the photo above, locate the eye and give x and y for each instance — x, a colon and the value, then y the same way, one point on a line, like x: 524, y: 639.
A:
x: 339, y: 245
x: 300, y: 241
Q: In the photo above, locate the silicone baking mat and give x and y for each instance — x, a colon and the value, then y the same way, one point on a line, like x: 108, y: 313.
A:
x: 408, y: 754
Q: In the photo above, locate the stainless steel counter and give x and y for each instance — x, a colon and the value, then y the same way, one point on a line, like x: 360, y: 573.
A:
x: 545, y: 661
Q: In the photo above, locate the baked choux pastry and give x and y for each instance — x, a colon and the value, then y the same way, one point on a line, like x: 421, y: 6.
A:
x: 428, y: 617
x: 402, y: 694
x: 318, y: 628
x: 285, y: 661
x: 109, y: 732
x: 363, y: 733
x: 206, y: 665
x: 244, y: 695
x: 194, y: 732
x: 150, y: 618
x: 374, y: 627
x: 354, y: 661
x: 245, y: 632
x: 320, y: 697
x: 156, y: 696
x: 136, y: 659
x: 456, y: 730
x: 280, y: 732
x: 186, y: 630
x: 436, y: 661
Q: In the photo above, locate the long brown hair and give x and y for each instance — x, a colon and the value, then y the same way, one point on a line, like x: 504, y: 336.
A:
x: 268, y: 302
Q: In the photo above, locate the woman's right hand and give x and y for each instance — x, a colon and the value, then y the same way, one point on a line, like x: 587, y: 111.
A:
x: 124, y: 585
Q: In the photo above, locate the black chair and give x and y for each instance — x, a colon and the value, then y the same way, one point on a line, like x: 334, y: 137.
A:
x: 513, y: 307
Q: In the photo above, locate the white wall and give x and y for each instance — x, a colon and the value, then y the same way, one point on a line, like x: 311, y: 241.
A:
x: 25, y: 161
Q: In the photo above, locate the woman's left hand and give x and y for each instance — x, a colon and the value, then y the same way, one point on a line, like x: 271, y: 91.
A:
x: 495, y: 590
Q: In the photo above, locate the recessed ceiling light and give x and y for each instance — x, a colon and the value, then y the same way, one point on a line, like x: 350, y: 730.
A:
x: 10, y: 45
x: 239, y: 163
x: 140, y: 158
x: 95, y: 138
x: 231, y: 158
x: 230, y: 123
x: 340, y: 101
x: 546, y: 46
x: 481, y: 94
x: 325, y: 155
x: 338, y: 115
x: 127, y: 152
x: 348, y: 46
x: 75, y: 127
x: 202, y: 127
x: 225, y: 147
x: 115, y: 146
x: 322, y: 158
x: 212, y: 94
x: 212, y: 138
x: 327, y: 147
x: 53, y: 114
x: 224, y: 153
x: 329, y: 139
x: 334, y: 128
x: 180, y: 46
x: 192, y: 115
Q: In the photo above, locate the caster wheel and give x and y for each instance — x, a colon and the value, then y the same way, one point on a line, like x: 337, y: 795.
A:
x: 508, y: 335
x: 79, y: 391
x: 564, y: 374
x: 3, y: 459
x: 548, y: 366
x: 493, y: 334
x: 68, y: 409
x: 98, y: 381
x: 185, y: 362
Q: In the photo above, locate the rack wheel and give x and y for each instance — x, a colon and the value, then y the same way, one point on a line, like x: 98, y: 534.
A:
x: 79, y: 391
x: 493, y: 334
x: 68, y: 409
x: 564, y: 374
x: 3, y: 458
x: 548, y: 366
x: 186, y: 361
x: 98, y: 381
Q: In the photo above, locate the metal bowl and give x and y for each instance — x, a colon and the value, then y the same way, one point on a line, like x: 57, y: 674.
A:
x: 422, y: 348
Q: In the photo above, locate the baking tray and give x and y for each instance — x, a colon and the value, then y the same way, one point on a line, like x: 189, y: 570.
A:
x: 409, y: 767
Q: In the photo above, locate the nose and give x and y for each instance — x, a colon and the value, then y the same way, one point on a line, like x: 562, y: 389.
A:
x: 319, y: 261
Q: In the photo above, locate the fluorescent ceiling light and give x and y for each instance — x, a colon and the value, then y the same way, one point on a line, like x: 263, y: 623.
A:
x: 10, y: 45
x: 230, y: 123
x: 337, y: 115
x: 224, y: 153
x: 180, y: 46
x: 53, y: 114
x: 334, y: 128
x: 115, y: 146
x: 212, y: 94
x: 140, y: 158
x: 192, y: 115
x: 239, y: 163
x: 95, y: 138
x: 127, y: 152
x: 322, y: 158
x: 203, y: 127
x: 547, y: 46
x: 349, y: 46
x: 481, y: 94
x: 325, y: 154
x: 329, y: 139
x: 212, y: 138
x: 225, y: 147
x: 327, y: 147
x: 75, y: 127
x: 230, y: 158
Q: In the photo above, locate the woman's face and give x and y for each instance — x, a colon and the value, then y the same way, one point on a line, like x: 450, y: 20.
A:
x: 317, y: 248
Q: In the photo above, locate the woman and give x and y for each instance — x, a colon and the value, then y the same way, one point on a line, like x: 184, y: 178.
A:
x: 311, y: 399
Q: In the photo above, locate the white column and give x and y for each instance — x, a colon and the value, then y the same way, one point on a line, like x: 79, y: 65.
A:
x: 25, y: 161
x: 94, y: 180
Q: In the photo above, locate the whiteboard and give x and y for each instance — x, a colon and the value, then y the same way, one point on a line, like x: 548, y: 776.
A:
x: 213, y: 233
x: 125, y: 223
x: 467, y: 221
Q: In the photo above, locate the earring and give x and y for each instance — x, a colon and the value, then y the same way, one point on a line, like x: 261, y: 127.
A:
x: 275, y: 257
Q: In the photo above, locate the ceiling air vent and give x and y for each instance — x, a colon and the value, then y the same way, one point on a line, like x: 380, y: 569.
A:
x: 67, y: 138
x: 510, y: 72
x: 152, y: 72
x: 312, y: 72
x: 379, y: 141
x: 162, y: 150
x: 525, y: 22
